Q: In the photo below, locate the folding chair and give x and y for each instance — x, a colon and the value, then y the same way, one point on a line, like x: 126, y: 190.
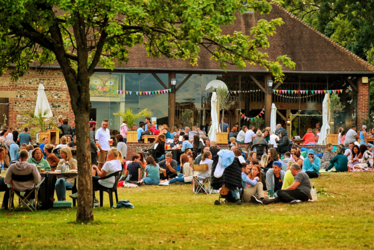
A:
x: 24, y: 195
x: 201, y: 185
x: 259, y: 149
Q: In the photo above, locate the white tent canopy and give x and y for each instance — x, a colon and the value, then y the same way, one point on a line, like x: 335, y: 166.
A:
x: 325, y: 120
x: 214, y: 128
x: 42, y: 105
x: 273, y: 118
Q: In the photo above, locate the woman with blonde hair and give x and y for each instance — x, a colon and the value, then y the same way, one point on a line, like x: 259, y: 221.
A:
x: 165, y: 131
x: 309, y: 138
x: 264, y: 161
x: 63, y: 142
x: 65, y: 182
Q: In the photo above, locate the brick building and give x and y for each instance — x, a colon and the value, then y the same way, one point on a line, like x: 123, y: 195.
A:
x: 321, y: 65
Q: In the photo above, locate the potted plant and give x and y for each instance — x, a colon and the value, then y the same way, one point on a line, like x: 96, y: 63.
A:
x: 129, y: 117
x: 38, y: 125
x: 224, y: 104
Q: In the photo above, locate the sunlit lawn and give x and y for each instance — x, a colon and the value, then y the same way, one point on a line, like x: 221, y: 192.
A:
x: 173, y: 217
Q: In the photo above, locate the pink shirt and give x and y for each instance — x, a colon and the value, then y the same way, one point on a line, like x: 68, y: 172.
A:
x: 309, y: 138
x: 123, y: 130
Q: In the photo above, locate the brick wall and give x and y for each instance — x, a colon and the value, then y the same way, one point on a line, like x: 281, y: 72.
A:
x: 26, y: 94
x: 362, y: 102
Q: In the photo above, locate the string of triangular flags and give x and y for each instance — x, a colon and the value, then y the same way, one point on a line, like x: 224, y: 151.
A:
x: 290, y: 91
x: 295, y: 97
x: 252, y: 118
x: 241, y: 91
x: 125, y: 92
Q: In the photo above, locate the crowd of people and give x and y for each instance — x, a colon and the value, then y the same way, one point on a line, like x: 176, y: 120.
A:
x: 271, y: 164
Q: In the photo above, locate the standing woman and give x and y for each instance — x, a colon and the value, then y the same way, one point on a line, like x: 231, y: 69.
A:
x: 340, y: 130
x: 342, y: 137
x: 65, y: 182
x: 123, y: 131
x: 160, y: 147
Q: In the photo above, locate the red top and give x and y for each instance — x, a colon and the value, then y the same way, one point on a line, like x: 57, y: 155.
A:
x: 309, y: 138
x: 154, y: 130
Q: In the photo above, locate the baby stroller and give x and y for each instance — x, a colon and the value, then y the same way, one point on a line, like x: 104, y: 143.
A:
x: 230, y: 183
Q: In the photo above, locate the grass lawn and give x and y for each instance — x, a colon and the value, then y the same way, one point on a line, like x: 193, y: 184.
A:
x: 173, y: 218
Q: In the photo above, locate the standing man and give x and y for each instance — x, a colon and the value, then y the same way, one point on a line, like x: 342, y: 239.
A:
x: 148, y: 124
x: 225, y: 128
x: 103, y: 137
x: 249, y: 135
x: 299, y: 191
x: 123, y: 131
x: 24, y: 137
x: 351, y: 136
x: 73, y: 128
x: 94, y: 150
x: 140, y: 130
x: 44, y: 142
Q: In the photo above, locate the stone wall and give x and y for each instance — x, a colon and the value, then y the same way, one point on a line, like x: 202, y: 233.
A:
x: 26, y: 89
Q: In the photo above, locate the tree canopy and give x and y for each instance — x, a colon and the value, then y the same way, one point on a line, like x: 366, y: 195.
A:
x: 81, y: 34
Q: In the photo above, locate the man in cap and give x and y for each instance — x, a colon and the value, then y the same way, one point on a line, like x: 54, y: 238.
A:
x: 311, y: 165
x: 176, y: 141
x: 275, y: 177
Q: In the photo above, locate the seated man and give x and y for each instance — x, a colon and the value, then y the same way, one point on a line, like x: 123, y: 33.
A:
x: 214, y: 148
x: 111, y: 165
x: 176, y: 141
x: 287, y: 158
x: 134, y: 169
x: 185, y: 143
x: 23, y: 169
x: 170, y: 166
x: 298, y: 191
x: 198, y: 158
x: 73, y: 143
x: 311, y: 164
x: 275, y: 177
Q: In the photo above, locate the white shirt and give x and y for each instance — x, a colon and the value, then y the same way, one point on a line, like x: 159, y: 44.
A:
x: 249, y: 136
x: 205, y: 174
x: 350, y: 136
x: 103, y: 136
x: 110, y: 167
x: 272, y: 140
x: 348, y: 152
x: 241, y: 136
x: 61, y: 146
x: 339, y: 139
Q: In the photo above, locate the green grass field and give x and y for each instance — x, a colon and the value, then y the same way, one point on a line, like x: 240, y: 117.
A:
x: 174, y: 218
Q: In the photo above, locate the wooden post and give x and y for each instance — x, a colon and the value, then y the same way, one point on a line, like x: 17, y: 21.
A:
x: 268, y: 99
x: 288, y: 113
x: 171, y: 101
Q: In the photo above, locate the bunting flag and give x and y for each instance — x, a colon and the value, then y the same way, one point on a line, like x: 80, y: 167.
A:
x: 256, y: 117
x: 306, y: 92
x: 123, y: 92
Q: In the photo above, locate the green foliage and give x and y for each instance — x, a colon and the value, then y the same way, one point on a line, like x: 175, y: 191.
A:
x: 185, y: 118
x: 129, y: 117
x: 47, y: 31
x: 39, y: 123
x: 258, y: 122
x: 335, y: 105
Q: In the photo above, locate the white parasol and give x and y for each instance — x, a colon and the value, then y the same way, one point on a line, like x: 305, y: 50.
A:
x: 42, y: 105
x: 216, y: 84
x: 214, y: 127
x: 273, y: 118
x: 325, y: 120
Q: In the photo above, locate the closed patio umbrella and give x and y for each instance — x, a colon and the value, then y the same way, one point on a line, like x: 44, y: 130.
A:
x: 42, y: 105
x: 214, y: 127
x: 325, y: 121
x: 273, y: 118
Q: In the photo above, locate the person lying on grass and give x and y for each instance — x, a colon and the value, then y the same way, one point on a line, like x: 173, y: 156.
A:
x: 299, y: 191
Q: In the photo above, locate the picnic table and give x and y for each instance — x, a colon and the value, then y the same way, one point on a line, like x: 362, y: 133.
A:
x: 47, y: 189
x: 298, y: 141
x: 147, y: 137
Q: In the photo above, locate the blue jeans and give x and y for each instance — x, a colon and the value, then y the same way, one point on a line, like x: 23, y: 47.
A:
x: 13, y: 150
x: 161, y: 158
x: 125, y: 140
x: 150, y: 181
x: 61, y: 186
x: 179, y: 179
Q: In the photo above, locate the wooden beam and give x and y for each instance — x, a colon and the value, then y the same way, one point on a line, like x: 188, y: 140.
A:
x: 183, y: 82
x: 258, y: 84
x: 171, y: 102
x: 268, y: 100
x: 159, y: 80
x: 279, y: 83
x: 351, y: 83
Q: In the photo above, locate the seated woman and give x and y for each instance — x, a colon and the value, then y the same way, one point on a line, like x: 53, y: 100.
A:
x: 186, y: 177
x: 296, y: 157
x: 309, y: 138
x: 327, y: 156
x: 254, y: 187
x: 312, y: 164
x: 206, y: 158
x: 153, y: 128
x: 152, y: 170
x: 37, y: 159
x: 165, y: 131
x: 288, y: 177
x: 51, y: 157
x: 272, y: 157
x: 355, y: 157
x: 252, y: 156
x: 266, y: 135
x: 340, y: 162
x: 367, y: 159
x: 160, y: 147
x: 233, y: 133
x: 64, y: 182
x: 197, y: 144
x: 259, y: 140
x: 63, y: 142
